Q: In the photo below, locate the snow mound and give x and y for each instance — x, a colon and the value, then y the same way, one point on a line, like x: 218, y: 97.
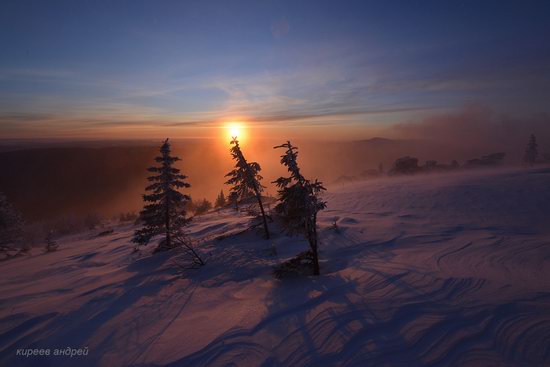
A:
x: 434, y: 270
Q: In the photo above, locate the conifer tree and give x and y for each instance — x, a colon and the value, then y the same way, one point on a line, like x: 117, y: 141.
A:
x: 202, y: 206
x: 220, y: 200
x: 233, y: 199
x: 10, y: 223
x: 245, y: 180
x: 164, y: 212
x: 531, y: 152
x: 51, y: 244
x: 299, y: 201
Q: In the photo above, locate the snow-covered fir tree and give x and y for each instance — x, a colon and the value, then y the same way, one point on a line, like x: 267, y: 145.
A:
x: 531, y: 152
x: 164, y: 212
x: 220, y: 200
x: 10, y: 223
x: 245, y: 180
x: 51, y: 244
x: 299, y: 201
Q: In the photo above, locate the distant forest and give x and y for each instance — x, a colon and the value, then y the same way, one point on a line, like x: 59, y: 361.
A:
x: 49, y: 182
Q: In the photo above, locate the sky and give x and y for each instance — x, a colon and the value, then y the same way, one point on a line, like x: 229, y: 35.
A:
x: 185, y: 69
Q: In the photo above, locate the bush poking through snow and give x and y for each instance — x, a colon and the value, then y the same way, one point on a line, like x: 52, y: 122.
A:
x: 105, y: 233
x: 335, y: 227
x: 405, y: 166
x: 489, y: 160
x: 531, y: 152
x: 51, y: 244
x: 72, y: 223
x: 192, y: 257
x: 301, y: 264
x: 202, y: 207
x: 127, y: 217
x: 221, y: 201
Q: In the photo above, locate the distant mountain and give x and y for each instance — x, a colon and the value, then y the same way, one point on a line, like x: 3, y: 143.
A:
x: 379, y: 140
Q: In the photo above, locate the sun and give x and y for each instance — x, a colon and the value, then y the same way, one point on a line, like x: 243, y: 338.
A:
x: 235, y: 129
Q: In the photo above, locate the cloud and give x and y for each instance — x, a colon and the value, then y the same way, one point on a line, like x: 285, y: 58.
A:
x: 25, y: 117
x: 319, y: 83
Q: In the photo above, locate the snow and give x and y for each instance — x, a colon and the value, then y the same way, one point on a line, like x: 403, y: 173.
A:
x: 431, y: 270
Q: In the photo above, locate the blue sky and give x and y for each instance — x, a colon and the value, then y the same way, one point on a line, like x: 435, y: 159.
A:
x: 142, y: 68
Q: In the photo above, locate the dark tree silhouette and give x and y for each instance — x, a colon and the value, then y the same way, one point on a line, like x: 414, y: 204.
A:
x: 202, y: 206
x: 299, y: 201
x: 531, y: 152
x: 51, y: 243
x: 245, y: 180
x: 233, y: 199
x: 220, y: 200
x: 164, y: 212
x: 10, y: 223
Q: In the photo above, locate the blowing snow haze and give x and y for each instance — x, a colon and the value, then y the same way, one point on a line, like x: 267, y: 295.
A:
x: 369, y: 183
x: 108, y: 178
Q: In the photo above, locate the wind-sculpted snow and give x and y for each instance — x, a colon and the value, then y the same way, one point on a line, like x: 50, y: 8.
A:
x: 438, y: 270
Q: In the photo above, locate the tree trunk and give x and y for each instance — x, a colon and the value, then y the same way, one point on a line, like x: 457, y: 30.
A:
x: 197, y: 257
x: 312, y: 236
x: 259, y: 197
x: 256, y: 191
x: 168, y: 243
x: 316, y: 270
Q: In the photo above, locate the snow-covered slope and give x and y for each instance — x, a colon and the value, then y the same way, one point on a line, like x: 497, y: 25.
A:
x: 443, y: 270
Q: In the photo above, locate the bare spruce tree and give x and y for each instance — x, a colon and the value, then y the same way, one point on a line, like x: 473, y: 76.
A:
x: 531, y: 152
x: 164, y: 212
x: 245, y: 180
x: 299, y: 201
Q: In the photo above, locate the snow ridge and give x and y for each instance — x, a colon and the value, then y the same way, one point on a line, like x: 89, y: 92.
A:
x: 437, y: 270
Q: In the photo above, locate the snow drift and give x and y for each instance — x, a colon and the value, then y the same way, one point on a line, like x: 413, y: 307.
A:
x: 433, y: 270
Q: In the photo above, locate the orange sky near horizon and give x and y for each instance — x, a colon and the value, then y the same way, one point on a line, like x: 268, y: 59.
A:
x: 223, y: 130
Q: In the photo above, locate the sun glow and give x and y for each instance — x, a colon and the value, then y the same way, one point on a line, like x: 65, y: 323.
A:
x: 235, y: 129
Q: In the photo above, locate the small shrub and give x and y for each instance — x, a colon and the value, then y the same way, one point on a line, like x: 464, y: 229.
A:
x: 127, y: 217
x: 105, y: 233
x: 51, y: 244
x: 202, y: 206
x: 335, y: 227
x: 301, y: 264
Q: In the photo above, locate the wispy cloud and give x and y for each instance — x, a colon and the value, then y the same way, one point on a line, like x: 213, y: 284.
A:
x: 322, y: 84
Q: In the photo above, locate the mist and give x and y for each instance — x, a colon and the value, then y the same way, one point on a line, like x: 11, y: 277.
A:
x: 109, y: 178
x: 475, y: 130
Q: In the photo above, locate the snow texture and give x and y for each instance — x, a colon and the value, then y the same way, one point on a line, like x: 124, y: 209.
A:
x: 434, y: 270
